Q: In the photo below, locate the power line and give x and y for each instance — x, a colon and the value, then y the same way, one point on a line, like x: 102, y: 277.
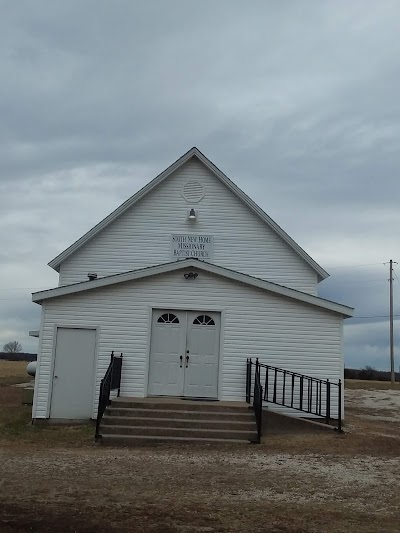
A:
x: 355, y: 282
x: 22, y: 298
x: 394, y: 272
x: 328, y: 268
x: 20, y: 288
x: 355, y: 266
x: 373, y: 316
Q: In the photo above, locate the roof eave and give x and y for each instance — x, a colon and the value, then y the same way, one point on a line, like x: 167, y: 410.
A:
x: 322, y: 274
x: 281, y: 290
x: 56, y: 262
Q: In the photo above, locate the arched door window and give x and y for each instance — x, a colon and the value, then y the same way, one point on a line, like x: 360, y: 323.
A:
x: 168, y: 318
x: 204, y: 320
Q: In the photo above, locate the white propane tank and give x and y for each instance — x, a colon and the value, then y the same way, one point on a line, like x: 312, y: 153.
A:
x: 31, y: 368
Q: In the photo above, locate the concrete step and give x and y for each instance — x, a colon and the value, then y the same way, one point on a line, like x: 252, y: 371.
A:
x: 137, y: 421
x: 179, y: 422
x: 247, y: 415
x: 180, y: 405
x: 143, y: 440
x: 197, y: 433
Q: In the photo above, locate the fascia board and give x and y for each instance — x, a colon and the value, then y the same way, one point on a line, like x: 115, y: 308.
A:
x: 263, y: 215
x: 66, y: 290
x: 55, y: 263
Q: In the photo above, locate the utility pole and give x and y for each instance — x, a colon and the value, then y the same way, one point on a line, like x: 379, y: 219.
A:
x: 392, y: 374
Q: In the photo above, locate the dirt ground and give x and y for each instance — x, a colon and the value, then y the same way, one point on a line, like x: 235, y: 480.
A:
x: 57, y: 480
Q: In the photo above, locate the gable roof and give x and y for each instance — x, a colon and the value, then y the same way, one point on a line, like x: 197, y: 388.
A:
x: 184, y: 264
x: 193, y: 152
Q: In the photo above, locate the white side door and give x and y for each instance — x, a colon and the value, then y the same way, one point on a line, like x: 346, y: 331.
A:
x: 167, y: 350
x: 202, y: 355
x: 73, y: 377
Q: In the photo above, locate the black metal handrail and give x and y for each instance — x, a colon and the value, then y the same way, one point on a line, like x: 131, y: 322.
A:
x: 111, y: 381
x: 297, y: 391
x: 258, y: 399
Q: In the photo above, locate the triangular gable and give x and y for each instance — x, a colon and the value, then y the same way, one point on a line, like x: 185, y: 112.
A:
x: 142, y: 273
x: 193, y: 152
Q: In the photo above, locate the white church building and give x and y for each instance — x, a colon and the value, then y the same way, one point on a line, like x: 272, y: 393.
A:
x: 187, y: 279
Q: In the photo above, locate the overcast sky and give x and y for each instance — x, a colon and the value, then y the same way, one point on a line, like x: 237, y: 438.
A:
x: 297, y: 102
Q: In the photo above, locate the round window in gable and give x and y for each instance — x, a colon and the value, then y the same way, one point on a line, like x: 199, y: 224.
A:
x: 193, y: 191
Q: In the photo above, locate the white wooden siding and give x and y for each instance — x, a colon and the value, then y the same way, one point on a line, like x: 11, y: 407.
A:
x: 141, y: 236
x: 278, y: 330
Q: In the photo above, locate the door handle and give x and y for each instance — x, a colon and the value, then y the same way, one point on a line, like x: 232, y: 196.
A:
x: 181, y: 360
x: 187, y: 361
x: 56, y: 377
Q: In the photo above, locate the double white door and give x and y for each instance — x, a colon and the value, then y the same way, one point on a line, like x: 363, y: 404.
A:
x: 184, y: 354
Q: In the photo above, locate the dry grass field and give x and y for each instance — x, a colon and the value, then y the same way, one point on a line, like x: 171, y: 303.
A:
x: 56, y: 479
x: 370, y: 384
x: 13, y: 372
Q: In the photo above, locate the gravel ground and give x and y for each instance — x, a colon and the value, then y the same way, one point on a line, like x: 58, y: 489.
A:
x: 187, y: 490
x: 375, y: 404
x: 311, y: 483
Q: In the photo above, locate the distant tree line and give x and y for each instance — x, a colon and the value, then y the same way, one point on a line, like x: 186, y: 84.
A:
x: 369, y: 373
x: 7, y: 356
x: 12, y: 351
x: 12, y: 347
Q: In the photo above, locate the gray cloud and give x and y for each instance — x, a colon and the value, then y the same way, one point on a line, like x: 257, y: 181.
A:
x: 367, y: 289
x: 296, y: 102
x: 17, y: 317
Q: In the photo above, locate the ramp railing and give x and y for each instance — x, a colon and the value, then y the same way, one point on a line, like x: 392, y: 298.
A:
x: 294, y: 390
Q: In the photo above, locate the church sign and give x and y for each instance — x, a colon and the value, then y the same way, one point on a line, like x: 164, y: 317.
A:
x: 192, y: 246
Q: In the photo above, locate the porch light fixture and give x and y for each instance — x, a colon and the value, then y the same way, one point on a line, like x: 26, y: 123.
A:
x: 192, y: 215
x: 190, y: 275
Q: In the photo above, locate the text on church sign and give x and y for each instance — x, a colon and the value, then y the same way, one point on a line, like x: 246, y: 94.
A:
x: 194, y: 246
